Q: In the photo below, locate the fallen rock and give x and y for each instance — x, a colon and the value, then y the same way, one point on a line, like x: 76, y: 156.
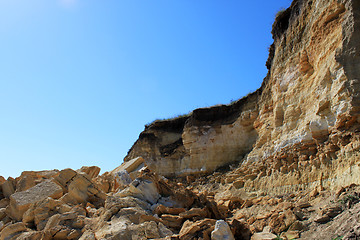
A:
x: 4, y: 202
x: 200, y: 229
x: 164, y: 231
x: 11, y: 231
x: 130, y: 165
x: 290, y: 235
x: 26, y: 182
x: 151, y: 230
x: 8, y: 187
x: 222, y: 231
x: 322, y: 219
x: 264, y: 236
x: 172, y: 221
x: 92, y: 171
x: 21, y: 201
x: 32, y: 235
x: 194, y: 212
x: 64, y: 177
x: 39, y: 212
x: 88, y: 235
x: 81, y: 189
x: 122, y: 179
x: 143, y: 189
x: 161, y: 209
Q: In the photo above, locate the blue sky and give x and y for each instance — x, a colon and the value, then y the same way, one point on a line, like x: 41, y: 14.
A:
x: 79, y: 79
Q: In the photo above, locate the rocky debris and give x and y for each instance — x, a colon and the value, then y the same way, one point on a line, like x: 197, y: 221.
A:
x: 92, y: 171
x: 153, y: 207
x: 264, y: 235
x: 198, y: 229
x: 21, y: 201
x: 328, y: 213
x: 132, y: 167
x: 263, y: 167
x: 222, y: 231
x: 12, y: 231
x: 69, y: 204
x: 8, y: 187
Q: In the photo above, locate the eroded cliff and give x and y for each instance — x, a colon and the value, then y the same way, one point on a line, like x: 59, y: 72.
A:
x: 299, y: 129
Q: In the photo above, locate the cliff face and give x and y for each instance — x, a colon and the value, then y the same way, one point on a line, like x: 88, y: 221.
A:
x: 300, y: 128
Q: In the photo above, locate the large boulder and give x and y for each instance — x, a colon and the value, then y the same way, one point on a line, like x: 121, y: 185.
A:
x: 142, y: 188
x: 79, y: 187
x: 21, y: 201
x: 130, y: 166
x: 92, y: 171
x: 64, y: 177
x: 8, y: 187
x: 201, y: 228
x: 11, y: 231
x: 39, y: 213
x: 222, y: 231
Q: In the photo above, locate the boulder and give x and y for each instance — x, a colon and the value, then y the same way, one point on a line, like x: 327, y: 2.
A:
x: 202, y: 228
x: 64, y: 177
x: 222, y: 231
x: 172, y: 221
x: 264, y: 236
x: 8, y: 187
x: 151, y: 230
x: 161, y: 209
x: 21, y: 201
x: 2, y: 213
x: 32, y: 235
x: 117, y: 228
x: 88, y: 235
x: 39, y: 212
x: 81, y: 189
x: 25, y: 182
x: 122, y: 179
x: 4, y: 202
x: 134, y: 214
x: 92, y: 171
x: 143, y: 189
x: 164, y: 231
x: 194, y: 212
x: 130, y: 165
x: 11, y: 231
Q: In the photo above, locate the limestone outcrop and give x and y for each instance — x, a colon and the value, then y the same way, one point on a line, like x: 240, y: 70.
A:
x: 280, y: 163
x: 69, y: 204
x: 299, y: 129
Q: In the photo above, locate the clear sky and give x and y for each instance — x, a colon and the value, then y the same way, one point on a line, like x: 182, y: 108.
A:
x: 79, y: 79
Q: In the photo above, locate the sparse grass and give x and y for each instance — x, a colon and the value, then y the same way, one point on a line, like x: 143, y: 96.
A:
x: 337, y: 238
x: 232, y: 101
x: 168, y: 119
x: 281, y: 11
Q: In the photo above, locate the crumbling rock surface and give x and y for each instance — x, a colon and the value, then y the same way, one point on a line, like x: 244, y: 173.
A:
x: 300, y: 128
x: 69, y: 204
x: 282, y: 162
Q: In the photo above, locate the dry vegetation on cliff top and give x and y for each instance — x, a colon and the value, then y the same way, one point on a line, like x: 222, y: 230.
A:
x: 280, y: 163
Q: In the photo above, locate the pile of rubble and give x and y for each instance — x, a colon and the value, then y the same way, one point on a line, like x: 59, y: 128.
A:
x: 81, y: 204
x: 131, y: 202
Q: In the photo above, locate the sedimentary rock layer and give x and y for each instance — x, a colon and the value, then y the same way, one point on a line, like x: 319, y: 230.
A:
x: 301, y: 127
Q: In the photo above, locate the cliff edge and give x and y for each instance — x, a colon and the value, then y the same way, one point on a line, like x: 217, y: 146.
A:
x: 300, y: 128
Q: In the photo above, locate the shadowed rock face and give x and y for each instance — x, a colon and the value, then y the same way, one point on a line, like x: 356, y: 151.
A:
x: 294, y: 140
x: 304, y: 117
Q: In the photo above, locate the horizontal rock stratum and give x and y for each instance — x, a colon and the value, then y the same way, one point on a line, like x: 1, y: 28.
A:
x: 301, y: 127
x: 280, y: 163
